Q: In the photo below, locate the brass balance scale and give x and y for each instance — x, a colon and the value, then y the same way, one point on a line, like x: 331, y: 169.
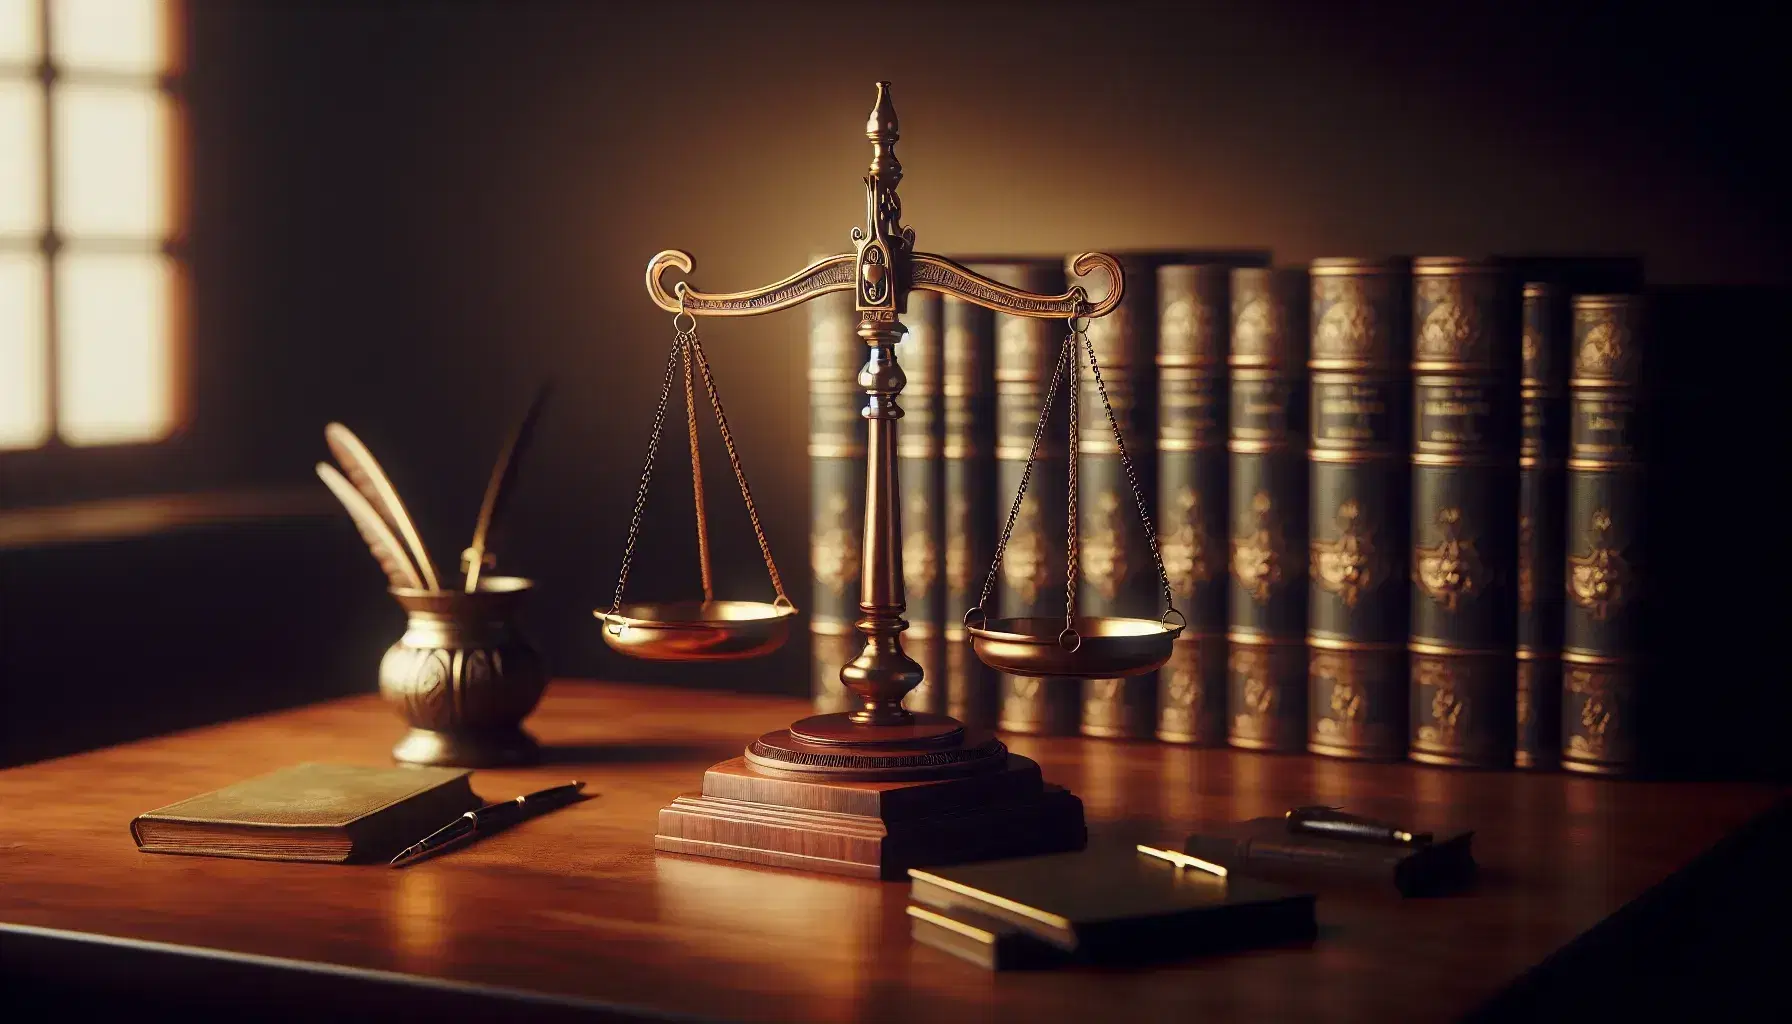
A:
x: 879, y: 789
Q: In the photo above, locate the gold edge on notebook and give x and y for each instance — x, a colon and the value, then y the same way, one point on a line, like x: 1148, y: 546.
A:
x: 1042, y: 916
x: 968, y: 931
x: 1183, y: 860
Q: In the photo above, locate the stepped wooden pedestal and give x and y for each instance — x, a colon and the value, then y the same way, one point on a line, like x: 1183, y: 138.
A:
x: 871, y: 828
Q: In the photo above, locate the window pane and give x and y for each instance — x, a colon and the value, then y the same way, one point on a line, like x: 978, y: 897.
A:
x: 21, y: 157
x: 111, y: 161
x: 24, y: 406
x: 114, y: 348
x: 108, y: 35
x: 19, y: 35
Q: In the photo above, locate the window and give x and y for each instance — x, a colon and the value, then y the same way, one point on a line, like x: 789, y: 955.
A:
x: 89, y: 226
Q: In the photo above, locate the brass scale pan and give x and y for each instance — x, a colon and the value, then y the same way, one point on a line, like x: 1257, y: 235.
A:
x: 711, y: 630
x: 1075, y: 646
x: 706, y: 630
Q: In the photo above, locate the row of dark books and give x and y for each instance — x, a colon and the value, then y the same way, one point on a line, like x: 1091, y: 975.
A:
x: 1398, y: 502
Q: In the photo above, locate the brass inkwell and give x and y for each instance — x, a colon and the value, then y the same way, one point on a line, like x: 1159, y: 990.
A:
x: 463, y: 675
x: 878, y: 789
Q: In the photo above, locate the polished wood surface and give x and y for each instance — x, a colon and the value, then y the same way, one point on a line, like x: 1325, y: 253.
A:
x: 578, y: 903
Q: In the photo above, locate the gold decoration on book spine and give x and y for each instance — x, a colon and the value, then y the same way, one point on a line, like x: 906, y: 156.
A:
x: 1606, y: 344
x: 1186, y: 546
x: 1027, y: 565
x: 1600, y: 580
x: 1266, y: 695
x: 1259, y: 551
x: 1348, y: 566
x: 834, y: 547
x: 1447, y: 704
x: 920, y: 550
x: 1191, y: 694
x: 1257, y: 326
x: 1356, y: 701
x: 1103, y: 547
x: 958, y: 555
x: 1040, y: 707
x: 1349, y: 327
x: 1596, y: 718
x: 1452, y: 569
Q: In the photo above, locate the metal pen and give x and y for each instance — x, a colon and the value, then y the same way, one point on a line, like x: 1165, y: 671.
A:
x: 488, y: 819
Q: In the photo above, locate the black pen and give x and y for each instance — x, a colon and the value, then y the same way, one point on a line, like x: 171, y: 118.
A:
x: 489, y: 818
x: 1330, y: 821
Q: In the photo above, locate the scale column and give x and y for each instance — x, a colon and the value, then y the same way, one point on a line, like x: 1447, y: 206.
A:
x: 882, y: 674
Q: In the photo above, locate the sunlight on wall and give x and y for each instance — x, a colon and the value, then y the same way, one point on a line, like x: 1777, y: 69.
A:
x: 88, y: 352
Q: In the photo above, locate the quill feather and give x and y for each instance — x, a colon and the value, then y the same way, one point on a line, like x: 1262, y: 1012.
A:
x: 379, y: 537
x: 498, y: 490
x: 365, y: 472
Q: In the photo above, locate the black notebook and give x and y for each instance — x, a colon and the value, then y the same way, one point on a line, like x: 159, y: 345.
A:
x: 1114, y: 904
x: 1265, y: 847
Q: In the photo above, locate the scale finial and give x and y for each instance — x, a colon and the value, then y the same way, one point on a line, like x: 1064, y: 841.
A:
x: 881, y: 125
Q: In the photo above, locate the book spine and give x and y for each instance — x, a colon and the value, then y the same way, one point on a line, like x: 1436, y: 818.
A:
x: 836, y: 491
x: 1266, y: 594
x: 1464, y: 608
x: 1542, y: 509
x: 1194, y: 316
x: 968, y: 505
x: 1358, y: 506
x: 1602, y: 635
x: 921, y: 469
x: 1118, y: 576
x: 1032, y: 577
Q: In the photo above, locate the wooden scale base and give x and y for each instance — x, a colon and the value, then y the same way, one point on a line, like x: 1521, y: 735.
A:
x: 821, y: 797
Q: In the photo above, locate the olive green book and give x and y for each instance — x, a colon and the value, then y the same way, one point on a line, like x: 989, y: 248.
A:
x: 328, y: 813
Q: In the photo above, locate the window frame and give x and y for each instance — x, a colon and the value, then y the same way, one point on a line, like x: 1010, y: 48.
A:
x: 56, y: 471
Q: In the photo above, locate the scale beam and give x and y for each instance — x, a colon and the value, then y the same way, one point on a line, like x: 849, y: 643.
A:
x: 927, y: 272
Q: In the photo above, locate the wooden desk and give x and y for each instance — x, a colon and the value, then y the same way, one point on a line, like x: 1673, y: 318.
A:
x: 576, y: 903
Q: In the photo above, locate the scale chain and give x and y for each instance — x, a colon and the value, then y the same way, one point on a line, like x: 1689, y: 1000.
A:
x: 1074, y: 449
x: 1132, y: 480
x: 690, y: 421
x: 1026, y: 476
x: 653, y: 446
x: 740, y: 474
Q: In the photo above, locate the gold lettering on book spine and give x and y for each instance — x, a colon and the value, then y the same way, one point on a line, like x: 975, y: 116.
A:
x: 1452, y: 569
x: 1600, y: 580
x: 1258, y: 551
x: 1348, y: 566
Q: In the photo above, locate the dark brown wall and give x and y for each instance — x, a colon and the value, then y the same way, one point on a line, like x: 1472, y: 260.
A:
x: 407, y: 213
